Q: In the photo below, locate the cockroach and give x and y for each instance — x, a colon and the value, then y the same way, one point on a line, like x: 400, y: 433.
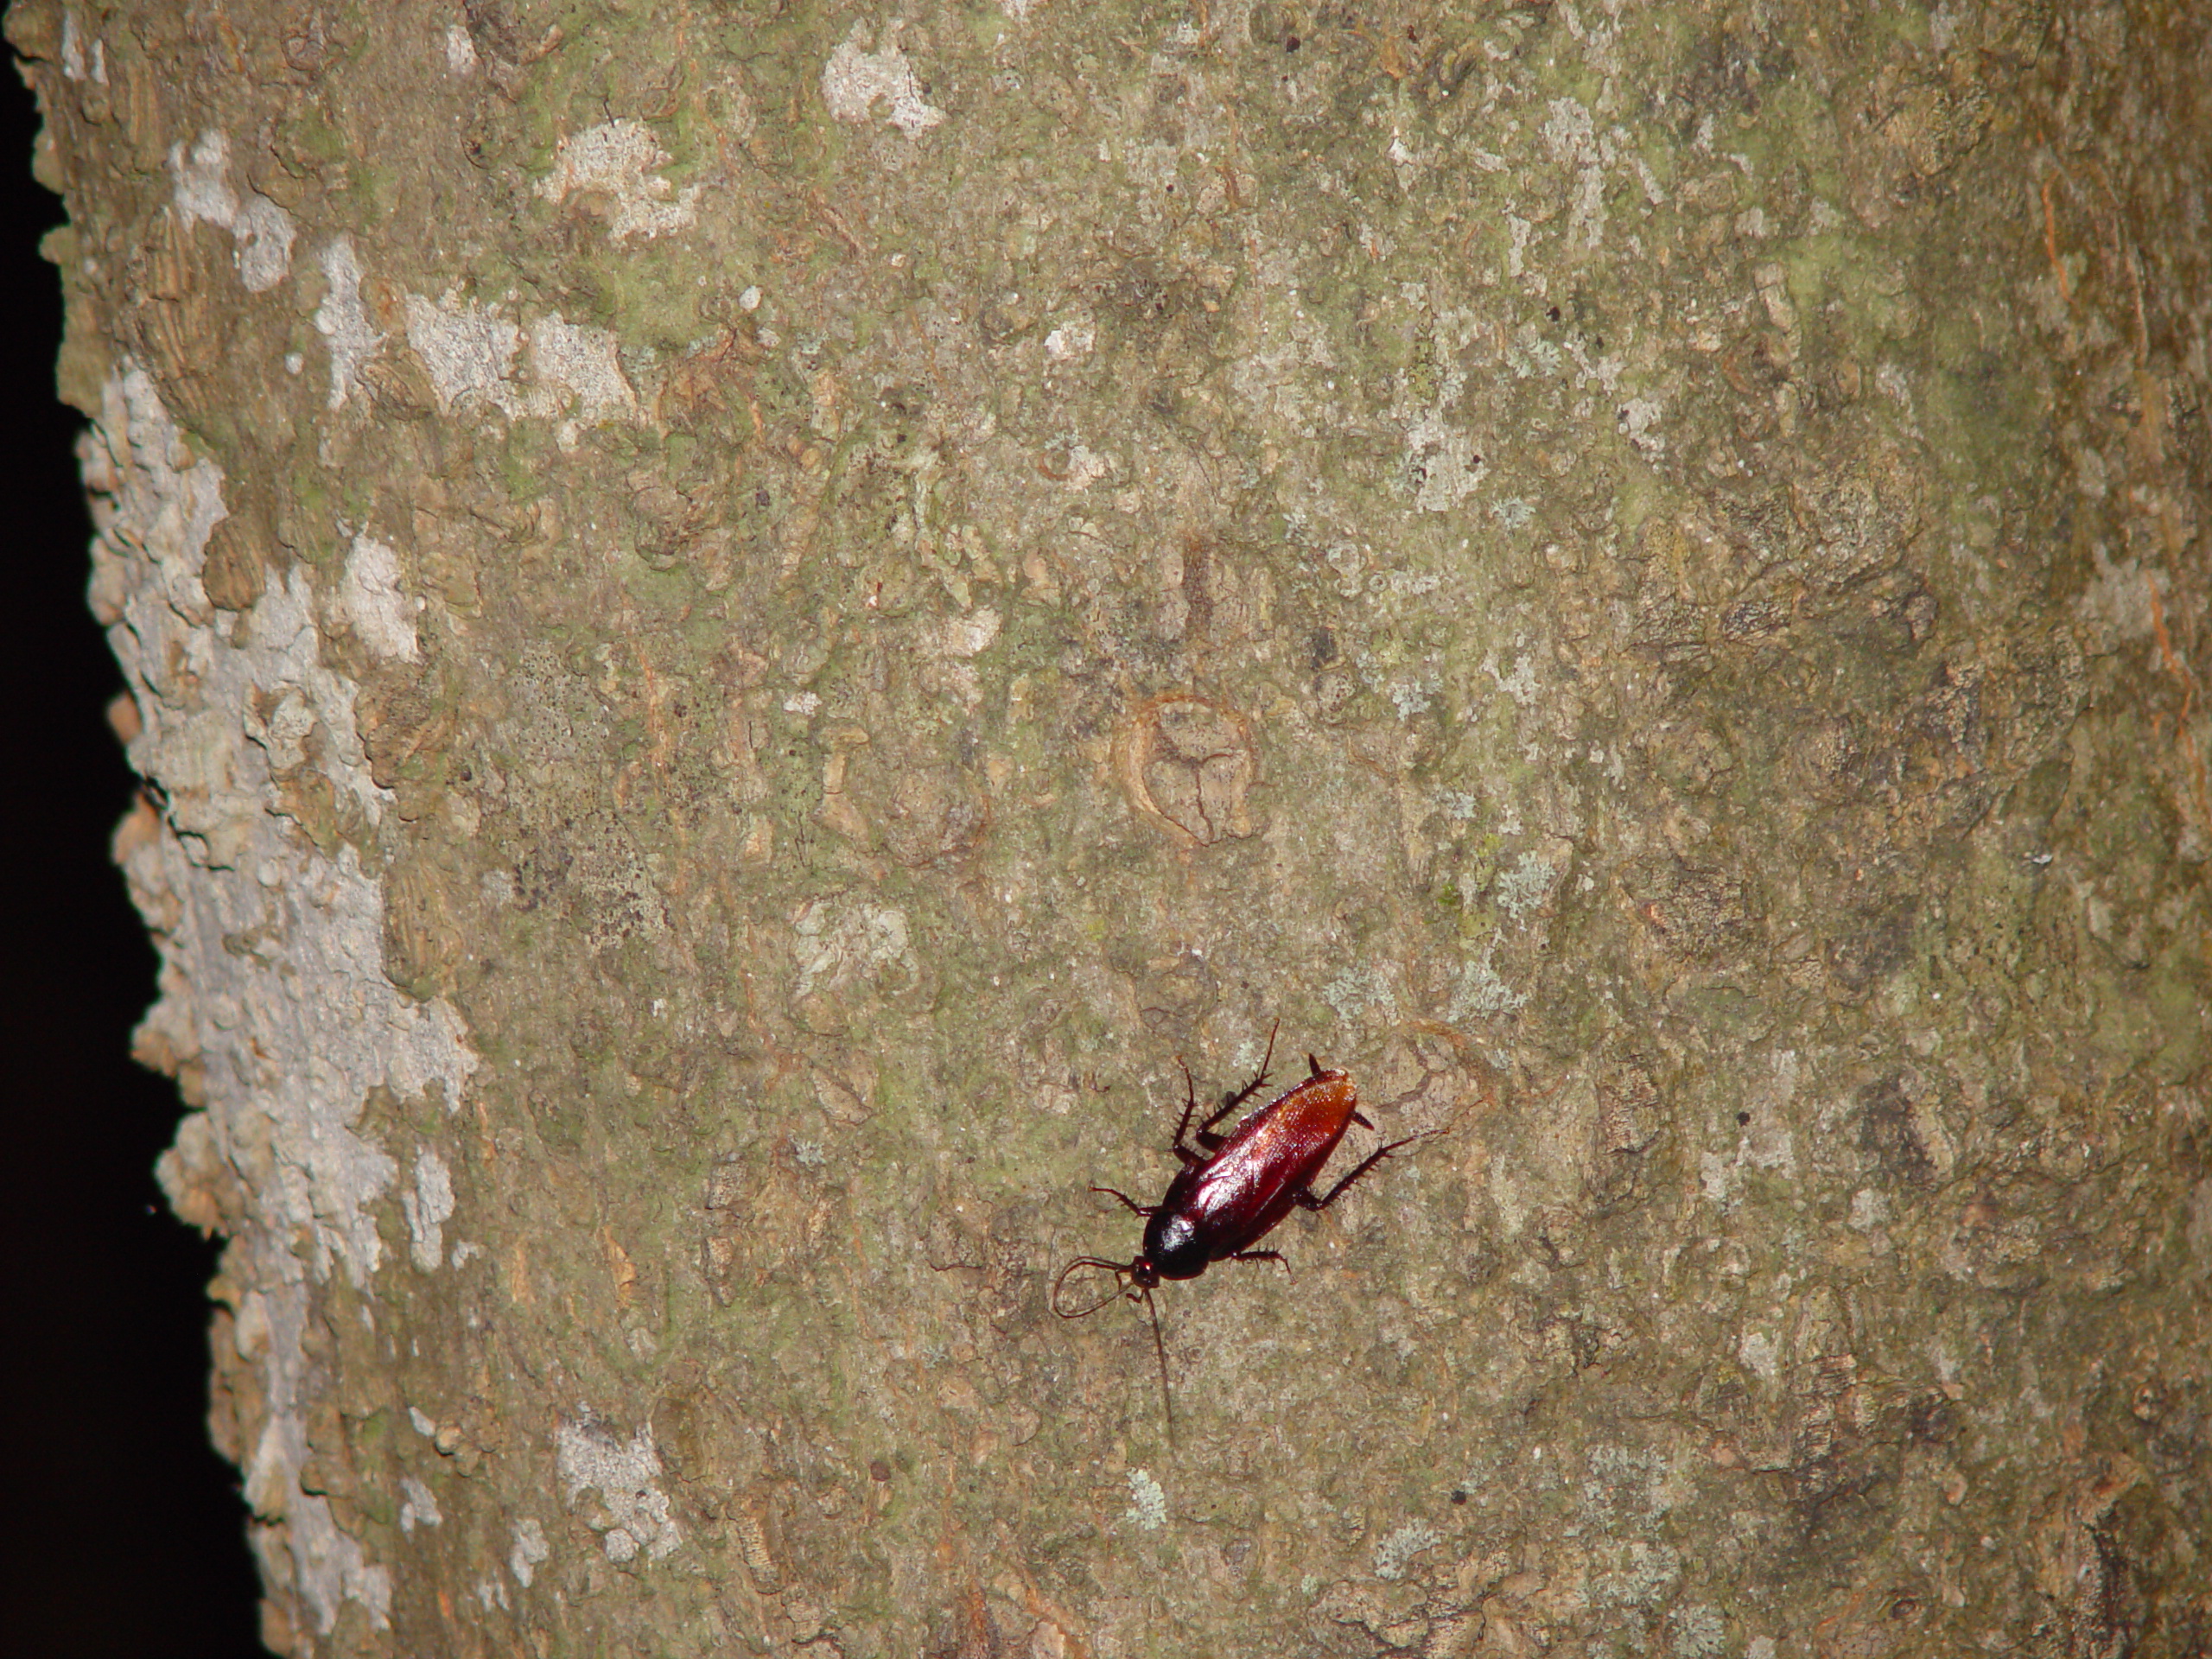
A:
x: 1232, y: 1189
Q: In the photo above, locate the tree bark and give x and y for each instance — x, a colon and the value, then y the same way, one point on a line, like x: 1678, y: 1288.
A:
x: 744, y: 621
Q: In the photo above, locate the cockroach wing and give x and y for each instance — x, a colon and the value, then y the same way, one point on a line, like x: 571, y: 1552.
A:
x: 1234, y: 1199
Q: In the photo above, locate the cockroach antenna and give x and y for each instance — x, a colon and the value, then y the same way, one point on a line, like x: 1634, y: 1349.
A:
x: 1125, y: 1277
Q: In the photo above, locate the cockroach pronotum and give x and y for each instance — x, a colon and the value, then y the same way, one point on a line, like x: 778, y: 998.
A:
x: 1233, y: 1189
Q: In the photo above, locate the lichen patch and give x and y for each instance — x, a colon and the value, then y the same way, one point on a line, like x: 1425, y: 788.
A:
x: 382, y: 613
x: 262, y: 231
x: 342, y: 319
x: 855, y: 81
x: 613, y: 172
x: 473, y: 355
x: 633, y: 1513
x: 272, y: 982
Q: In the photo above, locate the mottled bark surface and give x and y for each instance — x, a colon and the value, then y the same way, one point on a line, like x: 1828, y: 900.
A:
x: 748, y: 619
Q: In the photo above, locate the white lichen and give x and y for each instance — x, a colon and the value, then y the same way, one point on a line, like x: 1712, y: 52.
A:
x: 200, y: 182
x: 1392, y: 1554
x: 1482, y: 994
x: 76, y: 63
x: 1700, y: 1632
x: 332, y: 1568
x: 612, y: 171
x: 964, y: 637
x: 461, y: 52
x: 1070, y: 340
x: 1518, y: 683
x: 473, y: 355
x: 272, y: 982
x: 855, y: 80
x: 468, y: 349
x: 1761, y: 1355
x: 262, y: 231
x: 1412, y: 697
x: 1639, y: 420
x: 1638, y: 1574
x: 633, y: 1513
x: 1721, y: 1180
x: 427, y: 1207
x: 574, y: 359
x: 835, y: 944
x: 1444, y: 469
x: 530, y: 1549
x: 418, y: 1506
x: 1362, y: 989
x: 342, y: 319
x: 1148, y: 1508
x: 382, y: 613
x: 2123, y: 601
x: 1524, y: 889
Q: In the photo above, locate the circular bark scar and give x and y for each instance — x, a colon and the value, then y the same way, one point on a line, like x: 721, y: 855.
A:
x: 1188, y: 764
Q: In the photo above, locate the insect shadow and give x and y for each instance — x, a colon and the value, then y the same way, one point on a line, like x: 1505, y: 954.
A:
x: 1232, y: 1190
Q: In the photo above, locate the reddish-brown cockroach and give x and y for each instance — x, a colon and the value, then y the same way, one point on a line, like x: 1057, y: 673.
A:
x: 1233, y: 1189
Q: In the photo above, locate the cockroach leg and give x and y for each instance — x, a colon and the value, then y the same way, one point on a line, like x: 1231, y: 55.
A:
x: 1190, y: 1107
x: 1141, y: 1208
x: 1206, y: 1137
x: 1304, y: 1197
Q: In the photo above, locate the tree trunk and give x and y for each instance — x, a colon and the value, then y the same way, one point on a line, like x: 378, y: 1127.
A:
x: 746, y: 619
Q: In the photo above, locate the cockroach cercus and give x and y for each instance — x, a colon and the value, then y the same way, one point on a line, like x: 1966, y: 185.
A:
x: 1233, y: 1189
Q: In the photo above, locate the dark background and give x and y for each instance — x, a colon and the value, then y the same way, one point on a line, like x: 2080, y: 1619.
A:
x: 125, y: 1534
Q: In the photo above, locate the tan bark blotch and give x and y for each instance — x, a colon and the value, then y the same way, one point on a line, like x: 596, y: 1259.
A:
x: 751, y: 1526
x: 1901, y: 1128
x: 1693, y: 914
x: 934, y: 813
x: 718, y: 1265
x: 232, y: 573
x: 1861, y: 517
x: 404, y: 719
x: 838, y: 811
x: 761, y: 1222
x: 623, y: 1271
x: 918, y: 811
x: 845, y: 1086
x: 174, y: 323
x: 1188, y: 766
x: 1630, y: 1113
x: 713, y: 380
x: 424, y: 936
